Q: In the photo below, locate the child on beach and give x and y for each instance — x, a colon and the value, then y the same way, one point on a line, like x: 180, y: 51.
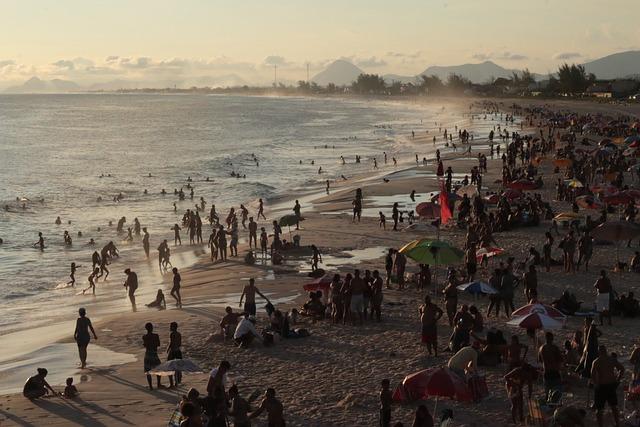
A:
x: 74, y: 267
x: 383, y: 220
x: 70, y: 391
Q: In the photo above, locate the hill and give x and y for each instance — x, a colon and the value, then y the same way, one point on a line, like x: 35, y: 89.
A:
x: 339, y: 72
x: 36, y: 85
x: 618, y: 65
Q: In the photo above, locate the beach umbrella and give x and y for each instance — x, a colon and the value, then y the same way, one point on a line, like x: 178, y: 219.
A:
x: 604, y: 189
x: 489, y: 252
x: 574, y: 183
x: 171, y: 366
x: 631, y: 151
x: 320, y: 284
x: 452, y: 197
x: 632, y: 139
x: 537, y: 307
x: 619, y: 198
x: 567, y: 216
x: 511, y: 194
x: 433, y: 382
x: 428, y: 210
x: 634, y: 144
x: 588, y: 202
x: 492, y: 199
x: 289, y: 220
x: 477, y: 287
x: 432, y: 252
x: 536, y: 321
x: 523, y: 185
x: 469, y: 190
x: 428, y: 251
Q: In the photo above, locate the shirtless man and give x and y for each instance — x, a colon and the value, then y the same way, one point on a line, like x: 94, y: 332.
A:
x: 275, y: 410
x: 357, y: 296
x: 249, y: 295
x: 429, y: 316
x: 40, y: 242
x: 515, y: 381
x: 605, y: 381
x: 131, y: 284
x: 551, y: 357
x: 145, y: 241
x: 253, y: 233
x: 261, y: 210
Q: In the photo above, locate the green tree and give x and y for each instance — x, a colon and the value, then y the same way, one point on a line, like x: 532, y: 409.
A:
x: 369, y: 84
x: 457, y: 83
x: 431, y: 85
x: 573, y: 78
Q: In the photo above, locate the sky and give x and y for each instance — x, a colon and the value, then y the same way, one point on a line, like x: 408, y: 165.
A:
x: 209, y: 42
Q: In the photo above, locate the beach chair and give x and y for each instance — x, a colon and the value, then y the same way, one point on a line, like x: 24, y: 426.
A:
x: 536, y: 416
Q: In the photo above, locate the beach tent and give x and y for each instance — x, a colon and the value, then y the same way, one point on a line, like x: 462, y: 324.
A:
x: 432, y: 382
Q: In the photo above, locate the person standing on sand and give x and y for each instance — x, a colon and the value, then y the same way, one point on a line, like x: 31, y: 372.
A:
x: 275, y: 410
x: 151, y: 343
x: 388, y: 266
x: 82, y: 337
x: 131, y: 284
x: 244, y: 214
x: 604, y: 292
x: 605, y: 382
x: 376, y: 296
x: 222, y: 243
x: 429, y: 316
x: 298, y: 214
x: 264, y: 242
x: 357, y: 297
x: 174, y: 352
x: 552, y: 361
x: 400, y: 264
x: 176, y: 235
x: 175, y: 290
x: 253, y: 233
x: 145, y: 241
x: 395, y: 215
x: 249, y: 296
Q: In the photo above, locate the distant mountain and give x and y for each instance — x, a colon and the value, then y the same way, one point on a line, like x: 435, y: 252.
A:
x: 477, y: 73
x: 36, y: 85
x: 339, y: 72
x: 390, y: 78
x: 618, y: 65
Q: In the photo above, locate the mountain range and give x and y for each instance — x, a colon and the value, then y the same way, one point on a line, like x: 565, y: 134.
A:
x: 342, y: 72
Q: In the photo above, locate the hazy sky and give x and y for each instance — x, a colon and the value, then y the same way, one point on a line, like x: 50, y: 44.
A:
x: 191, y: 41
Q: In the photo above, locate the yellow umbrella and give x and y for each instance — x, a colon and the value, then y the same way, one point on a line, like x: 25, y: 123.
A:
x: 574, y: 183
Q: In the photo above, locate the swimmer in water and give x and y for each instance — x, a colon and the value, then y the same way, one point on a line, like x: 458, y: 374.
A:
x: 40, y: 242
x: 58, y: 221
x: 74, y: 267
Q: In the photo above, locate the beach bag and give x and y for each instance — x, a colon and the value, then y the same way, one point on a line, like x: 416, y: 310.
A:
x: 478, y: 386
x: 175, y: 418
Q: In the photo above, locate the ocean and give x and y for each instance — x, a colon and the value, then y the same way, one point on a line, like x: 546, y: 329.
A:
x: 69, y: 155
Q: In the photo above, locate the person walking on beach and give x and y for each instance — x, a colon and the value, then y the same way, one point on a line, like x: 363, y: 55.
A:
x: 222, y: 243
x: 395, y: 215
x: 131, y: 284
x: 253, y: 233
x: 82, y: 337
x: 249, y: 296
x: 264, y: 242
x: 605, y: 382
x: 261, y: 210
x: 95, y: 260
x: 175, y: 290
x: 244, y: 214
x: 93, y: 277
x: 145, y: 241
x: 552, y: 361
x: 72, y: 275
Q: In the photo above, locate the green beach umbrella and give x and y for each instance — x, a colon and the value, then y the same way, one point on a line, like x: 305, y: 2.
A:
x: 428, y: 251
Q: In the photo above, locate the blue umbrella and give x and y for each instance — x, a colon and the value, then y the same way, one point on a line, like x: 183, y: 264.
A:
x: 477, y: 287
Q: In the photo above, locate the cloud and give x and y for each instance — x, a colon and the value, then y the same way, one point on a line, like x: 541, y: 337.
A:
x: 501, y: 56
x: 275, y: 60
x: 7, y: 62
x: 404, y: 55
x: 371, y: 62
x: 64, y: 63
x: 137, y: 63
x: 567, y: 55
x: 111, y: 58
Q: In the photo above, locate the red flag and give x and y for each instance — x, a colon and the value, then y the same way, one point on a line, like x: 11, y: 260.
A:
x: 445, y: 210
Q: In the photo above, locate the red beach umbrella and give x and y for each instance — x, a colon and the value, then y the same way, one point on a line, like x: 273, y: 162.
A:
x: 512, y: 194
x: 522, y: 184
x: 537, y: 307
x: 536, y: 321
x: 320, y: 284
x: 428, y: 210
x: 432, y: 382
x: 618, y: 199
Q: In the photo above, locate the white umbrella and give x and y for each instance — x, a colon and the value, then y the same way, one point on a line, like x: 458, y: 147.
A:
x: 171, y: 366
x: 536, y: 320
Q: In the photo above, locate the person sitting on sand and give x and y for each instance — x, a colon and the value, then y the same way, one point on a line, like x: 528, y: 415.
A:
x: 245, y: 332
x: 239, y: 409
x: 70, y: 391
x: 229, y: 323
x: 275, y: 410
x: 36, y: 386
x: 159, y: 302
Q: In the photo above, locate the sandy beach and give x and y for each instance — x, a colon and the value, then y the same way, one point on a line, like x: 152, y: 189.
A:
x: 332, y: 377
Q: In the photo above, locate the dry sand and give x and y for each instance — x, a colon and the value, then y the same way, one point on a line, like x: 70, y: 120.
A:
x: 332, y: 377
